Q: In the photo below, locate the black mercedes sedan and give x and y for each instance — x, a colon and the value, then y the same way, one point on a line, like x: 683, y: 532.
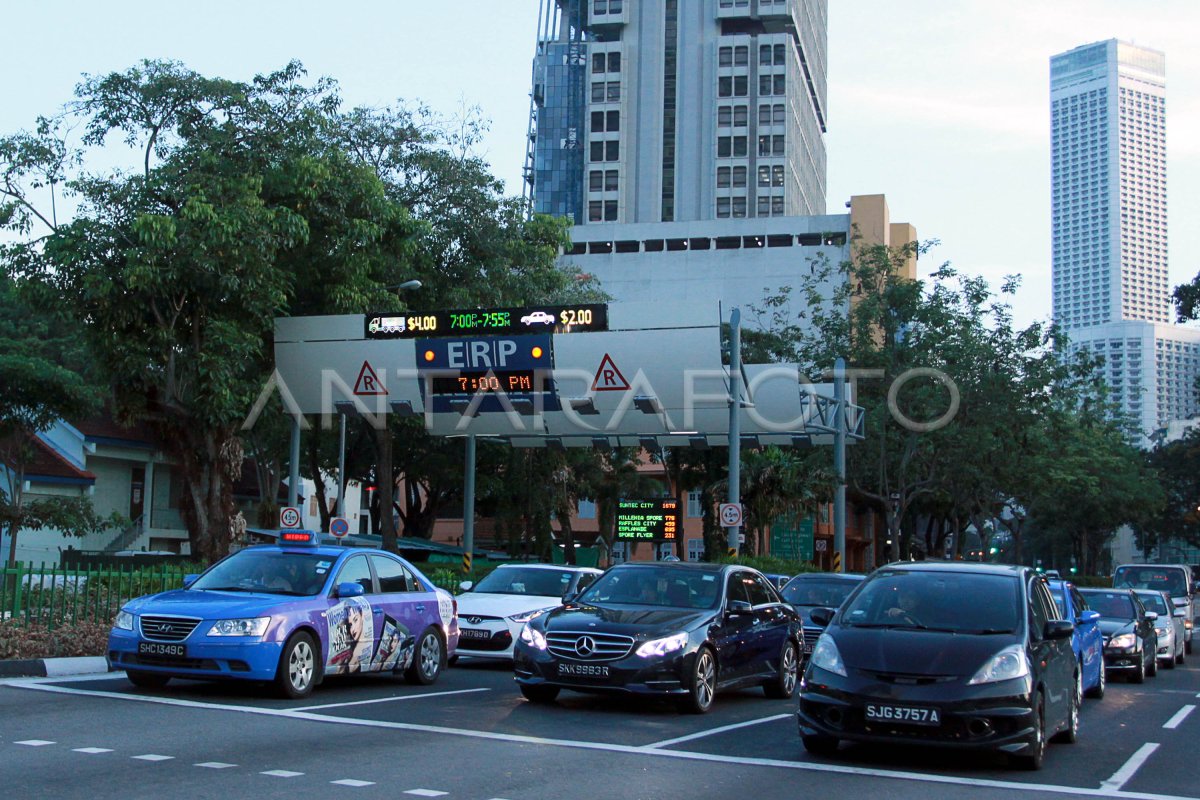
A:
x: 668, y: 629
x: 1130, y: 641
x: 950, y: 654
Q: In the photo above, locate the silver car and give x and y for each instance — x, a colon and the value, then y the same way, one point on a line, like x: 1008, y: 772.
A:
x: 1168, y: 626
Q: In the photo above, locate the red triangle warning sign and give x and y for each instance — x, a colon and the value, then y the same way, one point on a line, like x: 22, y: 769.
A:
x: 608, y: 377
x: 368, y: 382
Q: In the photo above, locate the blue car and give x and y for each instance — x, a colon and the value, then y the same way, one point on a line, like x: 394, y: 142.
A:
x: 1088, y: 639
x: 291, y: 614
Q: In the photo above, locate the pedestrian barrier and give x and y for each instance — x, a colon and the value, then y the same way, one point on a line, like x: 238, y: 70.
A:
x: 51, y: 596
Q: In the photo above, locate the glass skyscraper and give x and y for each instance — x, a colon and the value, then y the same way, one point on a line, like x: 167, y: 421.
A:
x: 679, y: 110
x: 1109, y: 225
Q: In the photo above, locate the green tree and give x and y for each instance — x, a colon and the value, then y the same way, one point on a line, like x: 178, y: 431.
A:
x: 1177, y: 465
x: 241, y: 209
x: 37, y: 352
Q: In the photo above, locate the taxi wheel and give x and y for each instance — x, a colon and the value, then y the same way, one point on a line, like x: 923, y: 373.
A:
x: 702, y: 684
x: 146, y: 680
x: 783, y: 685
x: 297, y: 670
x: 429, y: 659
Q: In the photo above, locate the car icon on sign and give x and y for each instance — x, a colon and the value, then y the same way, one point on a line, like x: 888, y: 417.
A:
x: 538, y: 318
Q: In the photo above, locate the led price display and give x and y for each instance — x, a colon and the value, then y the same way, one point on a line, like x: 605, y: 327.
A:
x: 576, y: 318
x: 647, y: 520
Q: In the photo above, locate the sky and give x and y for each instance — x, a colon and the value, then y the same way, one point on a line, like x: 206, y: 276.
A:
x: 942, y: 105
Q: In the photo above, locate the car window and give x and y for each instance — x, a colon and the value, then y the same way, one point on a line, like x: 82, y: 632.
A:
x: 525, y: 581
x: 1171, y: 580
x: 1115, y: 604
x: 356, y: 570
x: 585, y: 580
x: 637, y: 585
x: 760, y: 591
x: 817, y: 591
x: 1079, y: 601
x: 736, y: 588
x: 393, y: 577
x: 1060, y: 601
x: 1039, y: 614
x: 268, y: 571
x: 965, y: 602
x: 1155, y: 603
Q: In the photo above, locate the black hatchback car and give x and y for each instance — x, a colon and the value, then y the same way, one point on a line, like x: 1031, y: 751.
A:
x: 961, y: 655
x: 675, y: 630
x: 1130, y: 641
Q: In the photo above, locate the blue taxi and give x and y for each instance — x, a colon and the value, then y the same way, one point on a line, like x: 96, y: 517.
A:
x: 291, y: 614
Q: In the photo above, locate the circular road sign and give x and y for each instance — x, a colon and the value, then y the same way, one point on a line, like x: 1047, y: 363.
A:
x: 731, y: 514
x: 289, y: 517
x: 338, y: 527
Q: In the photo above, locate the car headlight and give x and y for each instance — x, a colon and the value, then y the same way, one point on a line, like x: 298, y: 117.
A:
x: 251, y: 626
x: 1009, y: 663
x: 124, y: 621
x: 1125, y: 641
x: 1187, y: 623
x: 1163, y: 633
x: 533, y: 638
x: 825, y: 655
x: 525, y: 616
x: 660, y: 647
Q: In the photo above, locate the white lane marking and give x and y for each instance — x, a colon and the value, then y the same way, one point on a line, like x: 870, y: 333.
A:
x: 388, y: 699
x: 1122, y: 776
x: 91, y: 750
x: 1179, y: 717
x: 35, y: 742
x: 426, y: 792
x: 801, y: 766
x: 214, y: 765
x: 714, y: 731
x: 153, y: 757
x: 353, y: 782
x: 281, y: 773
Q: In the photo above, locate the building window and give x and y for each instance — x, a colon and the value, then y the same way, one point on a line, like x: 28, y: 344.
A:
x: 739, y: 176
x: 595, y: 211
x: 725, y: 57
x: 776, y: 206
x: 723, y: 206
x: 764, y: 206
x: 777, y: 175
x: 764, y: 55
x: 597, y: 122
x: 778, y: 55
x: 694, y: 509
x: 725, y: 87
x: 612, y: 121
x: 741, y: 55
x: 614, y: 59
x: 740, y: 84
x: 777, y: 145
x: 764, y: 114
x: 739, y: 207
x: 779, y: 84
x: 612, y: 151
x: 587, y: 509
x: 610, y: 180
x: 610, y: 210
x: 597, y: 63
x: 724, y: 116
x: 695, y: 549
x: 740, y: 143
x: 595, y: 181
x: 764, y: 84
x: 614, y: 91
x: 764, y: 175
x: 739, y: 116
x: 777, y: 114
x: 723, y: 177
x: 596, y: 151
x: 724, y: 146
x: 764, y: 149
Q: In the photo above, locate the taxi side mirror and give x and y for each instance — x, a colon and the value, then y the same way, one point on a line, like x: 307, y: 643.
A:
x: 349, y: 589
x: 1088, y: 617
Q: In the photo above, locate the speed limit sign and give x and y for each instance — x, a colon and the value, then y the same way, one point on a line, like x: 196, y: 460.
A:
x: 731, y: 514
x: 289, y: 517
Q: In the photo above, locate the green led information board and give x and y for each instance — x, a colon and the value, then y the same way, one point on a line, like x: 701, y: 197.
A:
x: 577, y: 318
x: 647, y: 520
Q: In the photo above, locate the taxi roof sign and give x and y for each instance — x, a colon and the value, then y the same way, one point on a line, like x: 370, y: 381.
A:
x: 298, y: 537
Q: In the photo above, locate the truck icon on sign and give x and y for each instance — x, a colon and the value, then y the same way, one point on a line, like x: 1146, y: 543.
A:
x: 386, y: 325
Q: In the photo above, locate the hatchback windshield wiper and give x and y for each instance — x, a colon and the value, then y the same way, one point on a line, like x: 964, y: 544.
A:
x: 903, y: 626
x: 222, y: 589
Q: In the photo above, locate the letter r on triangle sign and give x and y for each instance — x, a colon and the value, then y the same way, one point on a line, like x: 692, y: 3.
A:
x: 368, y: 382
x: 608, y: 377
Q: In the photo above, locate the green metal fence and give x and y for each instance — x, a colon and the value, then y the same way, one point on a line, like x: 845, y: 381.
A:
x: 52, y: 596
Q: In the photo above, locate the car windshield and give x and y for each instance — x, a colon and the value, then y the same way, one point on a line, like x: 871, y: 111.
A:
x: 526, y: 581
x: 268, y: 572
x: 817, y: 591
x: 1111, y: 605
x: 957, y: 602
x: 1160, y: 579
x: 1154, y: 601
x: 648, y: 586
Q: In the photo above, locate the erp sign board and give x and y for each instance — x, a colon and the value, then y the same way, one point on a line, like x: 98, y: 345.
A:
x: 485, y: 366
x: 647, y: 520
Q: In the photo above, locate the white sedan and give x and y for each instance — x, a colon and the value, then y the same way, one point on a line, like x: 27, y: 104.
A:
x: 492, y: 612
